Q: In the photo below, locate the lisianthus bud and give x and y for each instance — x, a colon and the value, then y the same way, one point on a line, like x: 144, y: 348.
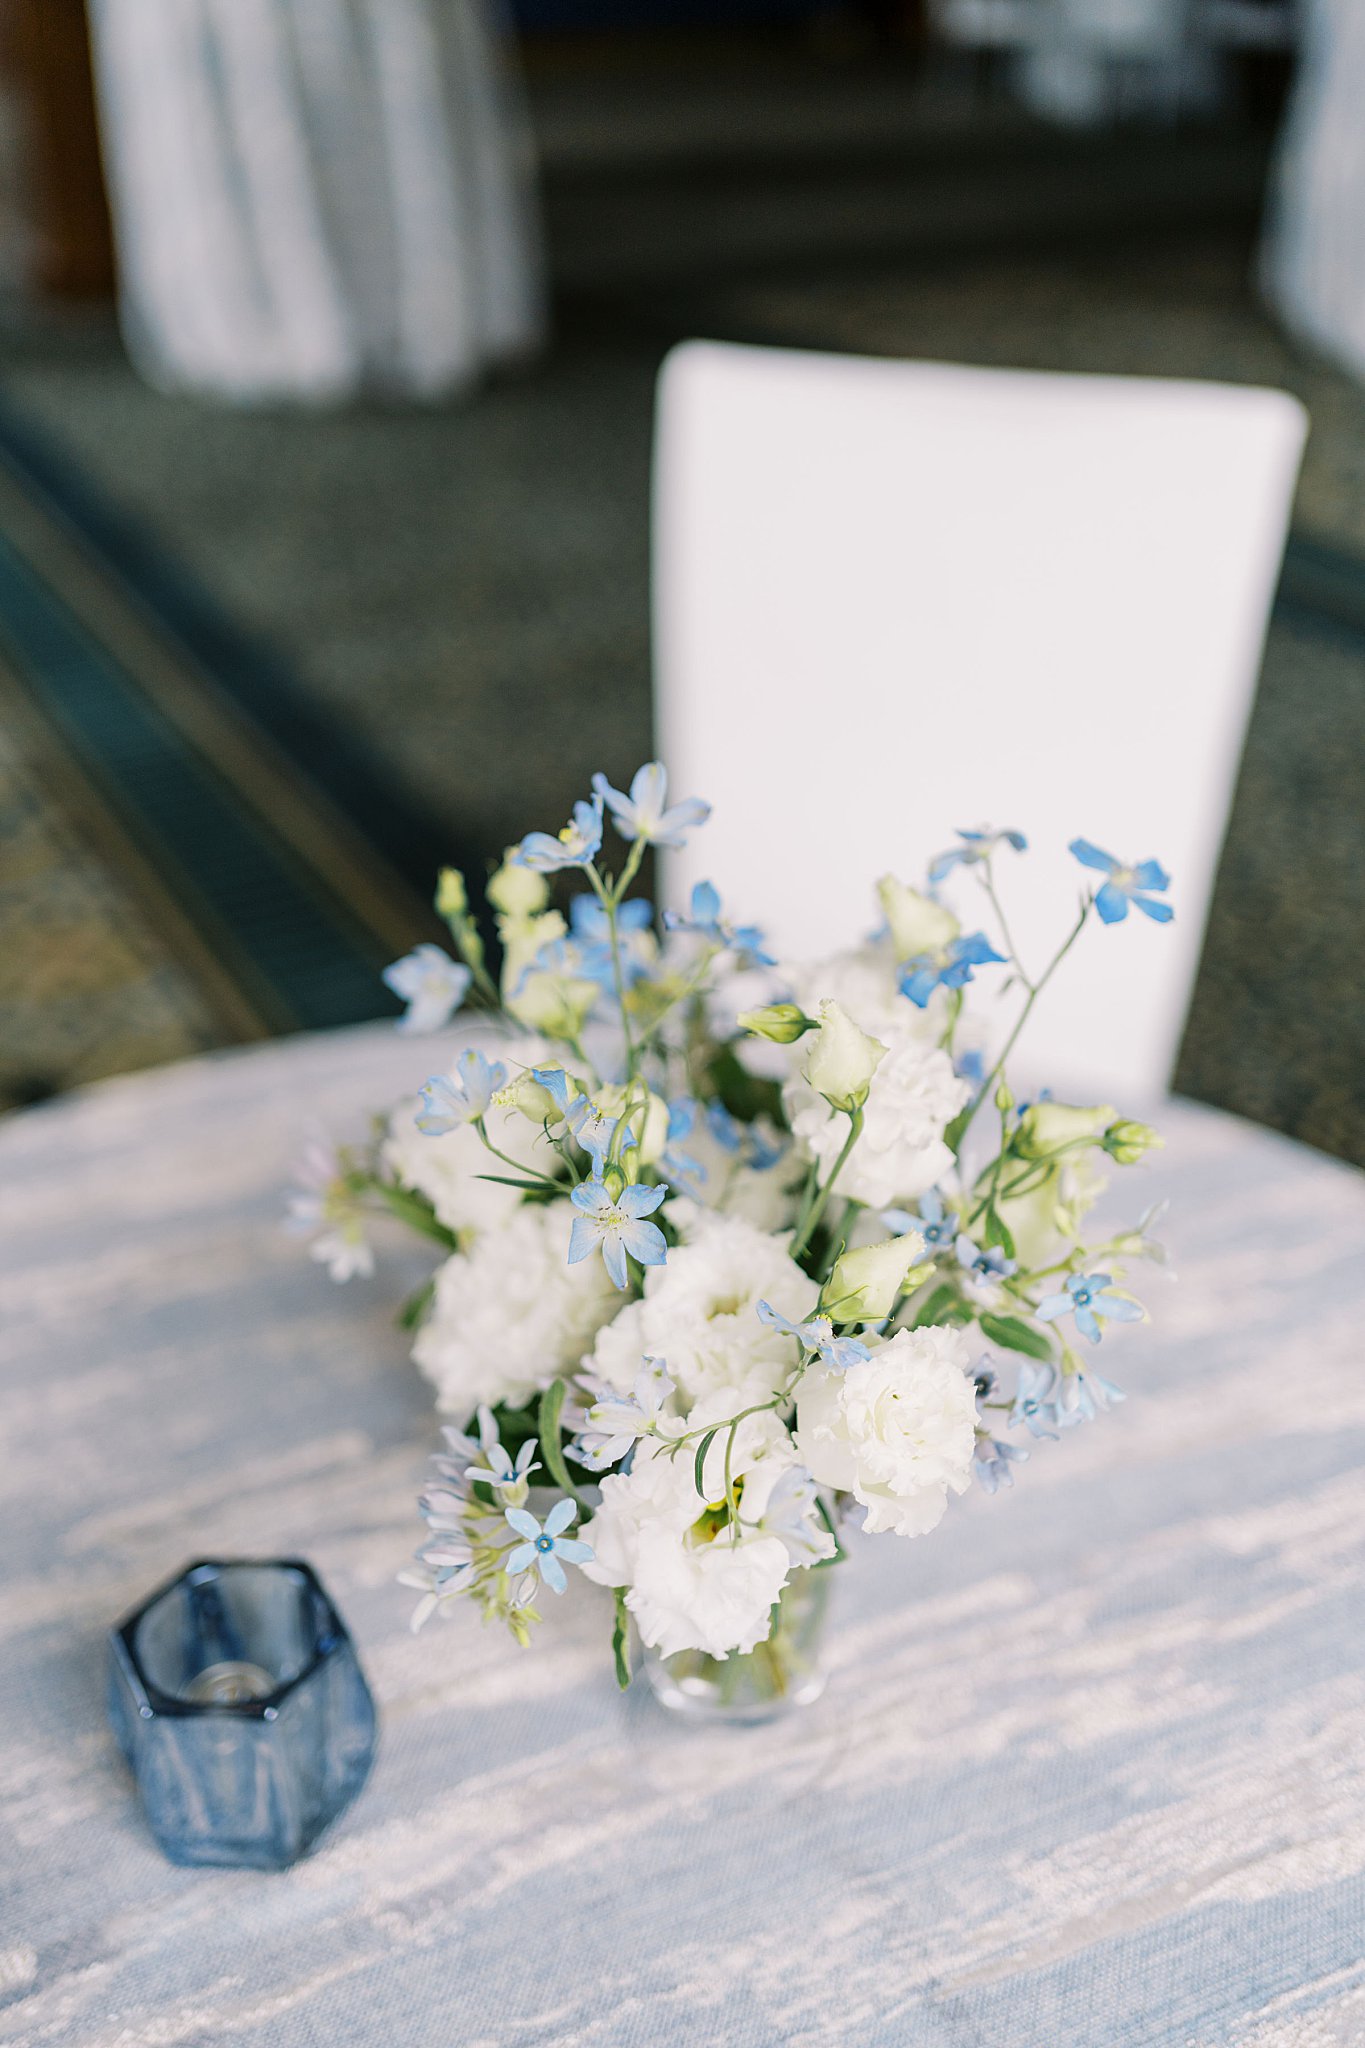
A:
x: 517, y: 891
x: 842, y: 1059
x: 557, y: 1004
x: 526, y: 1095
x: 918, y: 924
x: 452, y: 899
x: 522, y: 939
x: 783, y: 1023
x: 1046, y: 1126
x: 865, y: 1283
x: 1127, y: 1142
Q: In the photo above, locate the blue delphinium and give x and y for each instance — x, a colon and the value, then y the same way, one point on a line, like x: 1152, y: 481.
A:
x: 1125, y: 884
x: 947, y: 966
x: 817, y: 1334
x: 431, y: 984
x: 746, y: 941
x: 1087, y: 1297
x: 642, y: 814
x: 618, y: 1225
x: 574, y: 846
x: 976, y: 846
x: 590, y: 928
x: 680, y: 1166
x: 582, y: 1118
x: 543, y: 1546
x: 447, y: 1101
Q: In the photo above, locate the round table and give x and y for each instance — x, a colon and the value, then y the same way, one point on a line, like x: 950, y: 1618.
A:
x: 1090, y: 1769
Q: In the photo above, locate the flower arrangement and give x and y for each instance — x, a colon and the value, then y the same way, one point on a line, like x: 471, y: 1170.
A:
x: 733, y: 1254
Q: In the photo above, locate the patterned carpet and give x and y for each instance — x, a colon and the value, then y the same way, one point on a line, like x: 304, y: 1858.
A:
x: 430, y: 626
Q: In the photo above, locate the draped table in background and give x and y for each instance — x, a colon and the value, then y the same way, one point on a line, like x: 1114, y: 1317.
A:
x: 1090, y: 1769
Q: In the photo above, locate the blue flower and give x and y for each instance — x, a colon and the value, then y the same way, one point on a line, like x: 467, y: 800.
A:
x: 745, y: 940
x: 431, y: 984
x: 642, y: 815
x: 615, y: 1422
x: 1035, y: 1400
x: 543, y: 1547
x: 1087, y: 1298
x: 617, y: 1226
x: 448, y: 1102
x: 984, y: 1266
x: 680, y: 1166
x: 970, y: 1065
x: 948, y: 966
x: 591, y: 929
x: 976, y: 846
x: 991, y: 1461
x: 817, y: 1334
x: 574, y: 846
x: 583, y: 1119
x: 1125, y: 884
x: 934, y: 1223
x: 1083, y: 1395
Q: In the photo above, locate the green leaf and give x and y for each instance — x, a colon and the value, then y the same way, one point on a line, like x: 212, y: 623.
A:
x: 1016, y: 1335
x: 547, y: 1188
x: 551, y: 1402
x: 997, y: 1232
x: 416, y: 1211
x: 699, y: 1468
x: 620, y: 1637
x: 745, y: 1095
x: 941, y: 1305
x: 416, y: 1306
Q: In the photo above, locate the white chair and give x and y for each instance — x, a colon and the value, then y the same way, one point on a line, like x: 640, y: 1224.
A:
x: 892, y: 599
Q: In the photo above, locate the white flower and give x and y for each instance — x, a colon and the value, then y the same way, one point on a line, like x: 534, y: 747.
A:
x: 918, y: 924
x: 511, y: 1314
x: 900, y: 1154
x: 841, y: 1059
x: 451, y: 1170
x: 700, y: 1312
x: 689, y: 1585
x: 865, y: 1282
x: 862, y: 981
x: 897, y: 1432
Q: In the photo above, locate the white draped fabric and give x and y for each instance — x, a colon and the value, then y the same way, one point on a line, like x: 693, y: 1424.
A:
x: 1314, y: 261
x: 315, y: 198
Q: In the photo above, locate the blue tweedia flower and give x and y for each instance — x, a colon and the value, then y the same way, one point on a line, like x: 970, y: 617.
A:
x: 1088, y: 1299
x: 976, y: 846
x: 543, y: 1547
x: 1125, y: 884
x: 793, y: 1516
x: 431, y: 984
x: 817, y: 1334
x: 618, y: 1226
x: 949, y: 966
x: 991, y: 1462
x: 615, y: 1422
x: 985, y: 1266
x: 935, y: 1224
x: 1083, y: 1395
x: 573, y: 847
x: 704, y: 916
x: 1035, y: 1400
x: 642, y: 815
x: 591, y: 929
x: 448, y: 1101
x: 583, y: 1119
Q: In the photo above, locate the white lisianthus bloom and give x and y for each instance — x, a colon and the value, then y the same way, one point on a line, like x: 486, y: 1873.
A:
x: 1046, y: 1221
x: 918, y: 924
x: 700, y: 1312
x: 511, y: 1314
x: 865, y: 1282
x: 689, y: 1586
x: 897, y: 1432
x: 900, y: 1153
x: 841, y: 1059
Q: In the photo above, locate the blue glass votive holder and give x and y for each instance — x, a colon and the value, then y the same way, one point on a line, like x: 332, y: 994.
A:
x: 238, y: 1699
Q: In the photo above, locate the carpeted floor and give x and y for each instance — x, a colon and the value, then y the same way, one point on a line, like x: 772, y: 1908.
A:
x: 436, y: 625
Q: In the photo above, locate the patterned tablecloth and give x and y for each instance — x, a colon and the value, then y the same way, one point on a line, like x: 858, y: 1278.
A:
x: 1090, y: 1769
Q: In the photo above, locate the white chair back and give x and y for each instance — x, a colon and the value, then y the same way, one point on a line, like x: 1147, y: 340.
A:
x: 892, y: 599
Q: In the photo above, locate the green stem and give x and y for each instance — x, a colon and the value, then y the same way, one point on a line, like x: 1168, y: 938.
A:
x: 957, y: 1131
x: 816, y: 1210
x: 414, y: 1210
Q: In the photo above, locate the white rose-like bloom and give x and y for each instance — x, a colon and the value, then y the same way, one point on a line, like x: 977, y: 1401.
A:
x: 450, y: 1170
x: 699, y: 1312
x: 901, y: 1154
x: 511, y: 1314
x: 688, y: 1586
x: 897, y: 1432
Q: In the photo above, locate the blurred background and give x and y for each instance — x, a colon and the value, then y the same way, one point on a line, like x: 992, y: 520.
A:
x: 324, y: 472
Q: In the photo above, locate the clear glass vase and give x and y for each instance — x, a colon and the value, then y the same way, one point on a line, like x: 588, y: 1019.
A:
x: 784, y: 1672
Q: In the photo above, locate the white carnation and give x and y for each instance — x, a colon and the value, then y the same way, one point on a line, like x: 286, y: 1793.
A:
x: 897, y: 1432
x: 510, y: 1314
x: 699, y: 1312
x: 715, y: 1597
x: 901, y: 1153
x: 863, y: 981
x: 451, y: 1170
